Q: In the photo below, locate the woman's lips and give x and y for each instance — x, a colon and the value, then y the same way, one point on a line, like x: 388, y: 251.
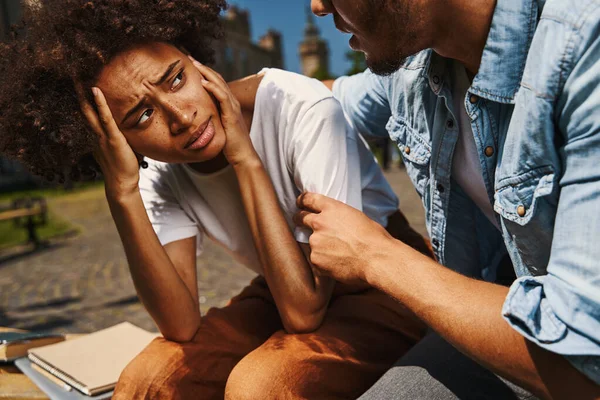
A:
x: 205, y: 137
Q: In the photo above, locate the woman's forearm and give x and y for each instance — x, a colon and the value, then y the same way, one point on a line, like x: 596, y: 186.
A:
x: 162, y: 291
x: 301, y: 297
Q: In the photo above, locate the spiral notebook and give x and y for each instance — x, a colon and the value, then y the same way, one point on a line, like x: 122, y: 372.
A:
x: 92, y: 363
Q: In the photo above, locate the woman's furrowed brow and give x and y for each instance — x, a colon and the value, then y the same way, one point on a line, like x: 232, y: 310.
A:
x: 160, y: 81
x: 167, y: 73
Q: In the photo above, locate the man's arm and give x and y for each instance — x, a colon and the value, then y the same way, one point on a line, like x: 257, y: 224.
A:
x: 467, y: 313
x: 348, y: 246
x: 364, y: 99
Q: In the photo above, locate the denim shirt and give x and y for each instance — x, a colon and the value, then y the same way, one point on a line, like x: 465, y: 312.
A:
x: 535, y: 114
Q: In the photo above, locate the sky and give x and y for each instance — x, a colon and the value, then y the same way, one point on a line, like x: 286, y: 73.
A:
x: 289, y: 18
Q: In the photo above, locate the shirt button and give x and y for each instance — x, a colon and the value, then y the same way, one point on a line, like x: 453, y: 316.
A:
x: 521, y: 210
x: 435, y: 242
x: 450, y: 124
x: 407, y: 150
x: 473, y: 99
x: 489, y: 151
x: 440, y: 188
x: 436, y: 79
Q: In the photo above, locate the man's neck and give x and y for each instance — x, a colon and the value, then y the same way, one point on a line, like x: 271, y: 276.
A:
x: 462, y: 30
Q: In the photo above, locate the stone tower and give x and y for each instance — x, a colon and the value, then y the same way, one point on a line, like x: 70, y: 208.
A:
x: 273, y: 43
x: 314, y: 52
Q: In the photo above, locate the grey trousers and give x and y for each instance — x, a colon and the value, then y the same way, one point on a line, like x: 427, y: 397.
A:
x: 435, y: 370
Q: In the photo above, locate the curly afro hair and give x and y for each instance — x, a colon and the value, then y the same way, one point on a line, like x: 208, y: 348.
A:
x: 68, y: 41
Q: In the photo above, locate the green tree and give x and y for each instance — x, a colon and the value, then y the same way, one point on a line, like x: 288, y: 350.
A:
x: 322, y: 74
x: 357, y: 61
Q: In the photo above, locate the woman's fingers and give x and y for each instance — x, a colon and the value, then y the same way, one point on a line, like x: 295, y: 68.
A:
x: 209, y: 73
x: 88, y: 111
x: 223, y: 96
x: 107, y: 121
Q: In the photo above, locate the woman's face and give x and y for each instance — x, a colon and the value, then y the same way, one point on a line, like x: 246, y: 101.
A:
x: 158, y: 102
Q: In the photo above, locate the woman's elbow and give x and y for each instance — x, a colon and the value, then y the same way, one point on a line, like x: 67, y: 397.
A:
x: 181, y: 334
x: 298, y: 323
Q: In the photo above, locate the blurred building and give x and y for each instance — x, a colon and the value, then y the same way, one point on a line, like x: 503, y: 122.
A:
x: 314, y: 51
x: 237, y: 55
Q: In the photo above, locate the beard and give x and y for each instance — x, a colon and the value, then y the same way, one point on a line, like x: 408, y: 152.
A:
x: 396, y: 19
x: 385, y: 67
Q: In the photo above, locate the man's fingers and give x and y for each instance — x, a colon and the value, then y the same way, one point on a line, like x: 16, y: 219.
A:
x: 305, y: 218
x: 312, y: 201
x: 105, y: 115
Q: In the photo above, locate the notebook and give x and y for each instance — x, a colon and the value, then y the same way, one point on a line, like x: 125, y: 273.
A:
x: 92, y: 363
x: 15, y: 344
x: 52, y: 389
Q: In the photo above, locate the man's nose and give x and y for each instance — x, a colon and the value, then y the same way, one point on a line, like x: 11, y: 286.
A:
x: 321, y: 7
x: 182, y: 118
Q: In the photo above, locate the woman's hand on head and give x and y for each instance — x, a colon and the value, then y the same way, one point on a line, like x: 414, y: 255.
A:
x: 117, y: 160
x: 238, y: 146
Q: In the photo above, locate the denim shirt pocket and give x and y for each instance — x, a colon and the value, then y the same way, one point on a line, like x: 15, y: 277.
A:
x: 527, y: 204
x: 415, y: 151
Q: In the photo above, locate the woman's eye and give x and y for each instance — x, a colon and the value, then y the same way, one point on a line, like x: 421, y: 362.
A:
x: 177, y: 81
x: 145, y: 116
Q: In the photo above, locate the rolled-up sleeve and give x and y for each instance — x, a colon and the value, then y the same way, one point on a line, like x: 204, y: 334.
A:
x: 560, y: 311
x: 365, y: 102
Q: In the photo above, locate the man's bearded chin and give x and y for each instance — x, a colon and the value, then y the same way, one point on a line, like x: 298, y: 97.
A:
x: 385, y: 67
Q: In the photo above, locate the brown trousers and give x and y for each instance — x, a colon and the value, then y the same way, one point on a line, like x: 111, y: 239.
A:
x: 242, y: 352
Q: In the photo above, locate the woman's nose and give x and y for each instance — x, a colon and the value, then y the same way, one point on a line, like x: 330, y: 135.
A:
x: 182, y: 118
x: 321, y: 7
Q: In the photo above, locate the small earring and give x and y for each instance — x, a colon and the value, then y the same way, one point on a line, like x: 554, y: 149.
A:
x: 144, y: 164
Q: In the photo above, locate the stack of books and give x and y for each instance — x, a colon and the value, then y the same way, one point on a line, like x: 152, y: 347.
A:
x: 16, y: 344
x: 86, y: 367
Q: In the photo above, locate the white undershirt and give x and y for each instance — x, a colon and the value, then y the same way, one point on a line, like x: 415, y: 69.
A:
x: 466, y: 168
x: 305, y: 143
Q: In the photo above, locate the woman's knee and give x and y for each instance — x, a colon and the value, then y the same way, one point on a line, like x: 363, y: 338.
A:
x: 147, y: 373
x: 265, y: 375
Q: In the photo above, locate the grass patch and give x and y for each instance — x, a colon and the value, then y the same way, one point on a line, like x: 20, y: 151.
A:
x: 10, y: 235
x: 50, y: 193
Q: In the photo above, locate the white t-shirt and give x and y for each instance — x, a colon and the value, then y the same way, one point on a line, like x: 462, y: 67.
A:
x: 305, y: 143
x: 466, y: 168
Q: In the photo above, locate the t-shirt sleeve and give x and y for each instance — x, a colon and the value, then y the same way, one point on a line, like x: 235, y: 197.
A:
x: 169, y: 220
x: 325, y: 157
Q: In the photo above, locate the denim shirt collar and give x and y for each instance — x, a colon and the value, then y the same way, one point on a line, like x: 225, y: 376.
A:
x: 506, y: 48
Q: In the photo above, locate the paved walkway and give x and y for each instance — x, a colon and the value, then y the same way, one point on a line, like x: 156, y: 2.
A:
x: 82, y: 284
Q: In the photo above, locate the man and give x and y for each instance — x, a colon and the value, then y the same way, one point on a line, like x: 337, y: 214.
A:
x: 494, y: 107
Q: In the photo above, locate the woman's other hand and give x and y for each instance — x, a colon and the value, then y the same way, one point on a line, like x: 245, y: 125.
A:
x: 118, y: 162
x: 238, y: 147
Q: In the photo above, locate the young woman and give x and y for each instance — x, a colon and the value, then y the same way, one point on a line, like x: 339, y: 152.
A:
x: 224, y: 162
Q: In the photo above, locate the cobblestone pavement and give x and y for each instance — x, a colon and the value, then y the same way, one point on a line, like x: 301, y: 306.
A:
x: 82, y: 284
